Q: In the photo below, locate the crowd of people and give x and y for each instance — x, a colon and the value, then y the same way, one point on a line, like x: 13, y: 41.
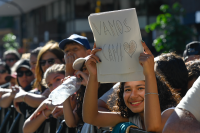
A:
x: 166, y: 101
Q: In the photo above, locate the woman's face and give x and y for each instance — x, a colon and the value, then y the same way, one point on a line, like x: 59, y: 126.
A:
x: 48, y: 59
x: 134, y: 95
x: 33, y: 61
x: 25, y: 76
x: 53, y: 80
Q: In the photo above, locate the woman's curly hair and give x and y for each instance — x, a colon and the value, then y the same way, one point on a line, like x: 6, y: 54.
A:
x: 168, y: 97
x: 173, y: 68
x: 193, y: 68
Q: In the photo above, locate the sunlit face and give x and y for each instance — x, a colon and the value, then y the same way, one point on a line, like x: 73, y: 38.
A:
x: 33, y: 61
x: 49, y: 58
x: 75, y: 48
x: 25, y: 77
x: 134, y: 95
x: 53, y: 80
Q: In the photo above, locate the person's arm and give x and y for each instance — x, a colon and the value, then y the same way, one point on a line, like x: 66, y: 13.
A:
x: 152, y: 112
x: 6, y: 100
x: 181, y: 121
x: 33, y: 100
x: 102, y: 106
x: 31, y: 126
x: 4, y: 91
x: 90, y: 104
x: 154, y: 122
x: 71, y: 117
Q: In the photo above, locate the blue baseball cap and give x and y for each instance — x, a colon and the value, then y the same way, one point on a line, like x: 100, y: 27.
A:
x: 75, y: 38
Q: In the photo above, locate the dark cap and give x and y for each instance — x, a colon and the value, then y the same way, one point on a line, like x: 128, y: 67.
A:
x: 22, y: 63
x: 192, y: 48
x: 75, y: 38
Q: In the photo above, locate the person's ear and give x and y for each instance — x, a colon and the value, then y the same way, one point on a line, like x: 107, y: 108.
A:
x: 88, y: 51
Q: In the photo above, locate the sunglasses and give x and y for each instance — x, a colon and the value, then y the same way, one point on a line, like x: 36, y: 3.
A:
x: 2, y: 71
x: 27, y: 73
x: 10, y: 60
x: 50, y: 61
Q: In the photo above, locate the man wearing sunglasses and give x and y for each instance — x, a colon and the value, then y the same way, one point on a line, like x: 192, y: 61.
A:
x: 74, y: 47
x: 11, y: 57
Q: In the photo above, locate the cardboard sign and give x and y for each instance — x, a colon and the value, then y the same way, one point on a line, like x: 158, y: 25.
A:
x: 118, y: 34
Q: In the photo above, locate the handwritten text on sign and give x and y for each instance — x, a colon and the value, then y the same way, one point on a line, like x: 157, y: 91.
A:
x: 113, y: 52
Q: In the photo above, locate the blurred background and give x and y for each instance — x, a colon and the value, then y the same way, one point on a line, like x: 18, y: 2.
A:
x: 166, y: 25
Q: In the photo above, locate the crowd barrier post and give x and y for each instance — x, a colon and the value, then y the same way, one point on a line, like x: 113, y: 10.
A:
x: 13, y: 127
x: 4, y: 124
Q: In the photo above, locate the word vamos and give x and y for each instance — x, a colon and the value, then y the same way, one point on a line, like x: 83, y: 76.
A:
x: 112, y: 28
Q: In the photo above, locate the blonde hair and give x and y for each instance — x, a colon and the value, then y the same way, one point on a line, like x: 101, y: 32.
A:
x: 56, y: 68
x: 52, y: 47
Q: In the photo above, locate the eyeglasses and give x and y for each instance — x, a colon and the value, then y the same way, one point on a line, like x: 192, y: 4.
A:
x: 50, y: 61
x: 21, y: 73
x: 2, y: 71
x: 10, y: 59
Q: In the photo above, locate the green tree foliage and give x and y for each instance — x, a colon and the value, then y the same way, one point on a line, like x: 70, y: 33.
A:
x: 174, y: 34
x: 10, y: 42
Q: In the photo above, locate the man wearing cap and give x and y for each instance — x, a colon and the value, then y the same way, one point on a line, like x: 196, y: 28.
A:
x: 192, y: 51
x: 74, y: 47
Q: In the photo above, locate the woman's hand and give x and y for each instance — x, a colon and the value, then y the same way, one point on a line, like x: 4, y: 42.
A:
x: 91, y: 61
x: 57, y: 112
x: 19, y: 94
x: 146, y: 60
x: 43, y: 106
x: 80, y: 74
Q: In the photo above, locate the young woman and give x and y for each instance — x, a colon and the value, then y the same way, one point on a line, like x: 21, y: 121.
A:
x: 72, y: 114
x: 139, y: 101
x: 53, y: 77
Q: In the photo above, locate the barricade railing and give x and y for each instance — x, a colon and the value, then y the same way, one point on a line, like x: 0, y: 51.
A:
x: 10, y: 124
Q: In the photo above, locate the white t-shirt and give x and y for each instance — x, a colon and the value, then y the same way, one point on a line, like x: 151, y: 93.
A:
x: 191, y: 100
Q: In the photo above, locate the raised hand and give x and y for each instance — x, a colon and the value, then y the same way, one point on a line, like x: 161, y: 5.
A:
x: 91, y: 61
x: 146, y: 59
x: 69, y: 60
x: 80, y: 74
x: 57, y: 112
x: 43, y: 106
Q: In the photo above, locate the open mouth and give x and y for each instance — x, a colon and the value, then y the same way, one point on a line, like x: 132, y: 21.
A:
x: 136, y: 103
